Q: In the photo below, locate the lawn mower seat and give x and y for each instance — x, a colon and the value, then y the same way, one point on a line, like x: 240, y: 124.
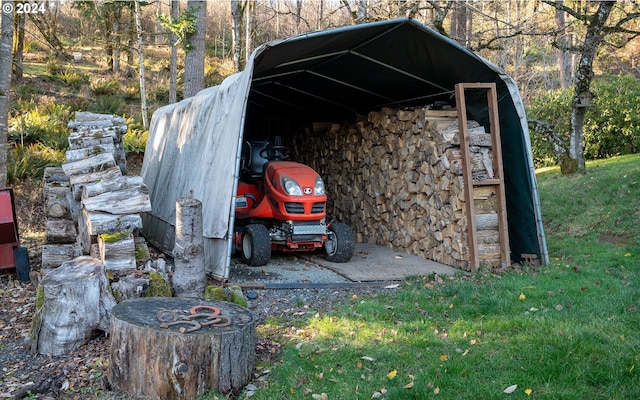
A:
x: 252, y: 168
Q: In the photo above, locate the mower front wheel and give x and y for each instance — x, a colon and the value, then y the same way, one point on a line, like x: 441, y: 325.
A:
x: 340, y: 243
x: 256, y: 245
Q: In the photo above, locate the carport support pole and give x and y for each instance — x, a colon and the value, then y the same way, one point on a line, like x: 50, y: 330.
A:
x: 189, y: 278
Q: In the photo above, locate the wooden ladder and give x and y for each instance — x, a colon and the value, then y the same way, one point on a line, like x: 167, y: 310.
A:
x: 488, y: 234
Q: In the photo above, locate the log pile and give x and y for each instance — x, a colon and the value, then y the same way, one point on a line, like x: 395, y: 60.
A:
x: 90, y: 203
x: 396, y: 178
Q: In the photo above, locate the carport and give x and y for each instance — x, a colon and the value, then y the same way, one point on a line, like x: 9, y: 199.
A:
x: 332, y: 76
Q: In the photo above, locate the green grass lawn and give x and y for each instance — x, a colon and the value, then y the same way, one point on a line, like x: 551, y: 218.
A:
x: 568, y: 330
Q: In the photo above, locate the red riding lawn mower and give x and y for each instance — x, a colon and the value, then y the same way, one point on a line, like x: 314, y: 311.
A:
x: 281, y: 205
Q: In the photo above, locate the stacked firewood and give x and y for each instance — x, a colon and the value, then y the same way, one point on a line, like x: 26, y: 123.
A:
x: 396, y: 178
x: 102, y: 206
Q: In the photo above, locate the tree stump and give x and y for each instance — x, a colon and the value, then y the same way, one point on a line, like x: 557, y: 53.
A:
x: 158, y: 349
x: 73, y: 303
x: 189, y: 277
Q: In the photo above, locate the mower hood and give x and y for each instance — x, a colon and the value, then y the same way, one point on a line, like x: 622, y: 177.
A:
x: 278, y: 172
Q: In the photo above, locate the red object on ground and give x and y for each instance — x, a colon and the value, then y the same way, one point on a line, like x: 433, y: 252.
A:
x: 9, y: 238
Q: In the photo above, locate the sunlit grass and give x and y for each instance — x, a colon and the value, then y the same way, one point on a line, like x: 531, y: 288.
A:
x: 563, y: 331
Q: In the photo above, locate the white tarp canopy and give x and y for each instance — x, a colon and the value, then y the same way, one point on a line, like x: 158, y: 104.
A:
x: 193, y: 146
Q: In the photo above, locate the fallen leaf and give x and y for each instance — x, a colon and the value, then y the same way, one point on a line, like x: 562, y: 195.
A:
x: 522, y: 296
x: 627, y: 255
x: 444, y: 357
x: 376, y: 395
x: 409, y: 385
x: 394, y: 286
x: 528, y: 392
x: 367, y: 358
x: 510, y: 389
x: 392, y: 374
x: 436, y: 390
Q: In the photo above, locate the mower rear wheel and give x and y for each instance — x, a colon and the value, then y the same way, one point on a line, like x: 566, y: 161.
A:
x: 340, y: 243
x: 256, y: 245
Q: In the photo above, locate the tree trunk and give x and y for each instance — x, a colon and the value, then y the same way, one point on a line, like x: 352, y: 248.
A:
x: 143, y: 92
x: 194, y: 59
x: 189, y: 278
x: 154, y: 360
x: 18, y: 44
x: 584, y: 75
x: 247, y: 30
x: 6, y: 38
x: 236, y: 14
x: 562, y: 53
x: 173, y: 73
x: 73, y: 303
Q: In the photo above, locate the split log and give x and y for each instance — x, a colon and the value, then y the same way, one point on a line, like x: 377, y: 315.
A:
x: 75, y: 303
x: 111, y: 185
x: 86, y: 152
x: 172, y: 362
x: 60, y: 231
x: 99, y: 162
x: 125, y: 201
x: 118, y: 252
x: 189, y: 278
x: 77, y: 181
x: 54, y: 255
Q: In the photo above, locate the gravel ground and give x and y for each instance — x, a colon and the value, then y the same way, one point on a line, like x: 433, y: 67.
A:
x: 79, y: 375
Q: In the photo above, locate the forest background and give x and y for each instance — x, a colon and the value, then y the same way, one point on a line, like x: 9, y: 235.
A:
x: 576, y: 63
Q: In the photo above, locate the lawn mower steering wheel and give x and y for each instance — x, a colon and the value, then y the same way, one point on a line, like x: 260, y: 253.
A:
x: 275, y: 153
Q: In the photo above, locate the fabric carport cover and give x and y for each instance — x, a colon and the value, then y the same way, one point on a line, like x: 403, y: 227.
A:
x: 332, y: 75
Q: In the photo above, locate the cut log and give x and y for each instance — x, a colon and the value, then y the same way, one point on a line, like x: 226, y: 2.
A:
x: 88, y: 116
x: 76, y: 302
x: 86, y: 152
x: 99, y: 162
x: 60, y: 231
x: 178, y: 361
x: 81, y: 142
x: 111, y: 185
x: 57, y: 206
x: 118, y: 252
x: 189, y: 278
x: 486, y: 221
x: 92, y: 224
x: 125, y: 201
x: 54, y: 174
x: 53, y: 255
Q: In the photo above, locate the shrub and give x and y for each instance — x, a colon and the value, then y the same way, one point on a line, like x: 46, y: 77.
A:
x: 29, y: 161
x: 135, y: 140
x: 108, y: 105
x: 73, y: 79
x: 613, y: 124
x: 105, y: 86
x: 46, y: 125
x: 611, y: 127
x: 53, y: 67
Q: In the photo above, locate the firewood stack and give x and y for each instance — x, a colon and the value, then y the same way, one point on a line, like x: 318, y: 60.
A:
x: 103, y: 205
x: 396, y: 178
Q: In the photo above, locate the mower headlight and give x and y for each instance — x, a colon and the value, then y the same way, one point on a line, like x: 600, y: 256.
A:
x: 319, y: 187
x: 291, y: 187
